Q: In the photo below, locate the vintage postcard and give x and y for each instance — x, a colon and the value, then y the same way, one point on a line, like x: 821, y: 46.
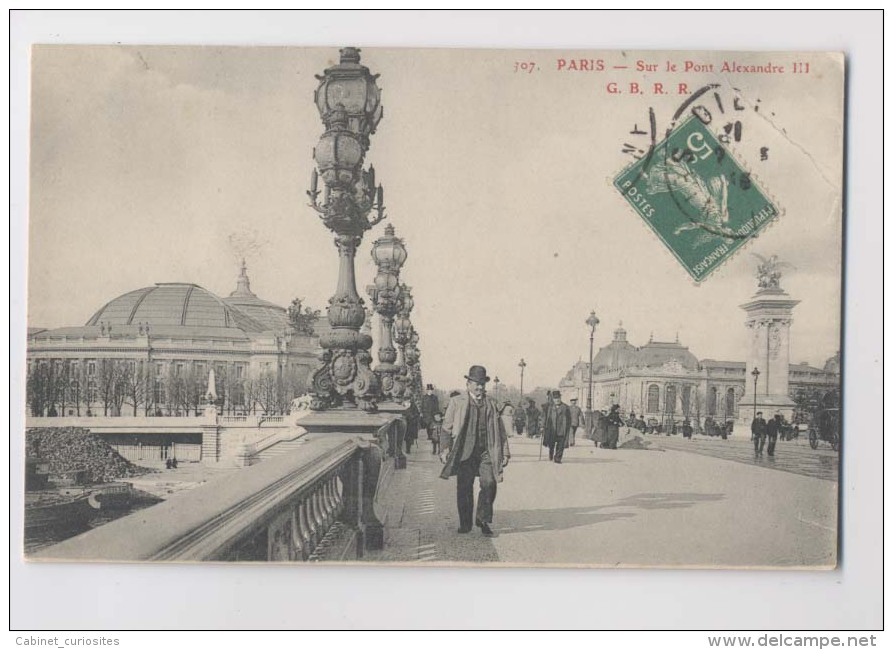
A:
x: 464, y: 307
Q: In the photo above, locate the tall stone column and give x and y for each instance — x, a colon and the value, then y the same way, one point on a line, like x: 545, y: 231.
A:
x: 769, y: 317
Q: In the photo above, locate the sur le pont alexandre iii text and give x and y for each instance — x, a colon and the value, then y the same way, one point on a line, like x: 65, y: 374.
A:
x: 664, y: 74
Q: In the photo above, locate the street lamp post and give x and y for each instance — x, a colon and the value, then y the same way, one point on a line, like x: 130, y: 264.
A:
x: 522, y: 365
x: 592, y: 321
x: 756, y: 375
x: 349, y: 103
x: 389, y: 254
x: 413, y: 356
x: 402, y: 336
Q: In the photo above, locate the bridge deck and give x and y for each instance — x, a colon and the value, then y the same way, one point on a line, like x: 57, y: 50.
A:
x: 617, y: 508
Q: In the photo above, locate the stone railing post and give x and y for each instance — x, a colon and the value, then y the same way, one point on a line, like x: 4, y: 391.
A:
x: 352, y: 495
x: 371, y: 527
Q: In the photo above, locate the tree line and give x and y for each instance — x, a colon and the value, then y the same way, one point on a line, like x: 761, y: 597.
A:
x: 115, y: 387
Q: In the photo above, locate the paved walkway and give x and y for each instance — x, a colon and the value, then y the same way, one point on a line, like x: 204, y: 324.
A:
x: 617, y: 508
x: 790, y: 455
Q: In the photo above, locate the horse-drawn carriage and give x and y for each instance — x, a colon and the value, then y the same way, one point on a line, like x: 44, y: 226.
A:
x: 824, y: 425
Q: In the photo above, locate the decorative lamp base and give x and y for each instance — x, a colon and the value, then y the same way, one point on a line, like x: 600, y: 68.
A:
x: 345, y: 378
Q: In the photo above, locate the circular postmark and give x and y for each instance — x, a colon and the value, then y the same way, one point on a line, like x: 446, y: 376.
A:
x: 687, y: 185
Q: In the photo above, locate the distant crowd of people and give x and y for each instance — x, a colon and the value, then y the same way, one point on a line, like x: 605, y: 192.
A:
x: 470, y: 436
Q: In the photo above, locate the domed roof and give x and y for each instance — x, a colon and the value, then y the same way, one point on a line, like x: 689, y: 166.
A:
x: 656, y: 353
x: 172, y: 304
x: 270, y: 316
x: 619, y: 353
x: 833, y: 364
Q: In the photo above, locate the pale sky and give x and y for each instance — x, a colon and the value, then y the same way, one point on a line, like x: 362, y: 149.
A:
x: 145, y: 161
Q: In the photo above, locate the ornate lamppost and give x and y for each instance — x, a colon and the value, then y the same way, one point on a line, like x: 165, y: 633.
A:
x: 592, y: 321
x: 412, y: 357
x: 522, y: 365
x: 755, y: 373
x: 389, y: 254
x: 402, y: 334
x: 349, y: 104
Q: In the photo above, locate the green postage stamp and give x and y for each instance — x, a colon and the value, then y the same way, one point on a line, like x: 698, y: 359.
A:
x: 696, y: 197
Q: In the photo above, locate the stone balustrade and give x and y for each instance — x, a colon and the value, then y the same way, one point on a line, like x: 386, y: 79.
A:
x: 290, y: 508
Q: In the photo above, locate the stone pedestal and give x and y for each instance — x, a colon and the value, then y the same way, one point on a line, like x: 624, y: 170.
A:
x: 769, y: 318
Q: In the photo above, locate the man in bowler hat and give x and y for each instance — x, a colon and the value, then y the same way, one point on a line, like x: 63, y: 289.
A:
x: 480, y: 448
x: 559, y: 427
x: 430, y: 406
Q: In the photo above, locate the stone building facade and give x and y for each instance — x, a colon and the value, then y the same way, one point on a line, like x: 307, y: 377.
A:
x: 151, y: 351
x: 665, y: 381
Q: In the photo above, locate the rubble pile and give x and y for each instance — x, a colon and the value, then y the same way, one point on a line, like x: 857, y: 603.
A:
x: 72, y: 449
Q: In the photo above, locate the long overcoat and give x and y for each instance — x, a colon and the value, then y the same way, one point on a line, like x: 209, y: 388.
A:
x: 454, y: 424
x: 430, y: 406
x: 557, y: 424
x: 600, y: 432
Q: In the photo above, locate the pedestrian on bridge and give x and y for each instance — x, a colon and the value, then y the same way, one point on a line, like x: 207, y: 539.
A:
x: 773, y: 427
x: 758, y: 434
x: 519, y: 419
x: 413, y: 420
x: 480, y: 448
x: 558, y: 426
x: 576, y: 422
x: 612, y: 433
x: 533, y: 419
x: 430, y: 406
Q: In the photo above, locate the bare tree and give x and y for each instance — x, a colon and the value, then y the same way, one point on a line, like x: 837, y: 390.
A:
x: 294, y: 383
x: 251, y: 386
x: 195, y: 387
x: 174, y: 389
x: 133, y: 378
x: 111, y: 386
x: 37, y: 387
x: 268, y: 389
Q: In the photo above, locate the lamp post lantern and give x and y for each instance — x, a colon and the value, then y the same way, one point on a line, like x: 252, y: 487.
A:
x: 522, y: 365
x: 349, y: 104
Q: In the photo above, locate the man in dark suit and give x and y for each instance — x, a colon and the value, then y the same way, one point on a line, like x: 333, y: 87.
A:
x: 559, y: 426
x: 758, y: 434
x: 430, y: 406
x: 576, y: 421
x: 548, y: 435
x: 773, y: 427
x: 480, y: 448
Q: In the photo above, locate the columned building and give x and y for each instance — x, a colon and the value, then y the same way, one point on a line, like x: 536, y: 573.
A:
x: 151, y: 351
x: 666, y: 382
